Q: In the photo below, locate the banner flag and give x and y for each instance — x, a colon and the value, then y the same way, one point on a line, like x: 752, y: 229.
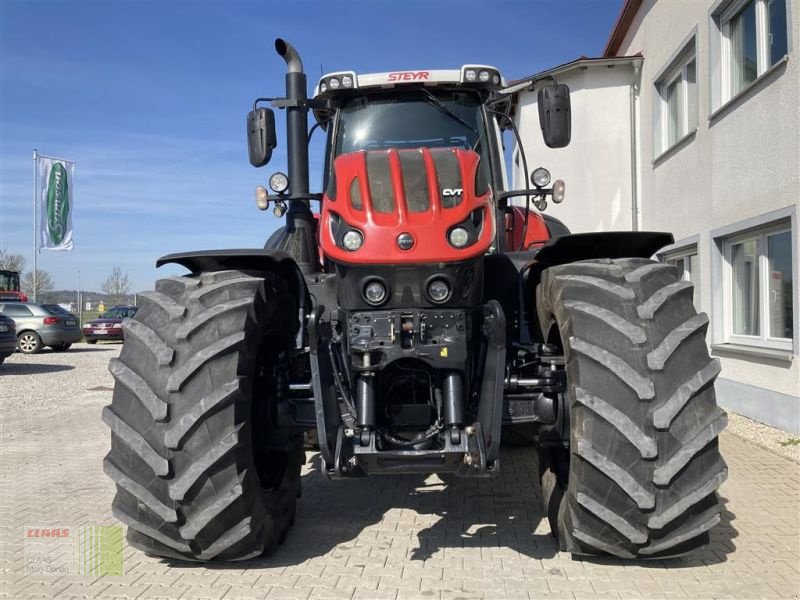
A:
x: 55, y: 202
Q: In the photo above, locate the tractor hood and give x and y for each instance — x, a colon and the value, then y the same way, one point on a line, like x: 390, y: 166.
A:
x: 405, y: 205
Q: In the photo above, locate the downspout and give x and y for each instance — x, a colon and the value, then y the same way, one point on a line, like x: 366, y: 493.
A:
x: 634, y: 90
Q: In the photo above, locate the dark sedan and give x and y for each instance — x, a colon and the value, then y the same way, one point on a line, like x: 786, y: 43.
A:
x: 8, y: 337
x: 107, y: 326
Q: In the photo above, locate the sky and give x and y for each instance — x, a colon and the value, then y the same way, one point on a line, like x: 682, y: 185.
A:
x: 149, y: 98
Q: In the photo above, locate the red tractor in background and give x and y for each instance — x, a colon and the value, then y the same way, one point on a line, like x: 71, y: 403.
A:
x: 415, y: 322
x: 9, y: 287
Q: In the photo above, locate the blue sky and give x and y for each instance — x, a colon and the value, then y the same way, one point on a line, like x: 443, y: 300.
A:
x: 150, y: 98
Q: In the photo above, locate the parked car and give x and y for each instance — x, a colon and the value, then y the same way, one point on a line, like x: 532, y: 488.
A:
x: 8, y: 337
x: 40, y: 325
x: 107, y: 326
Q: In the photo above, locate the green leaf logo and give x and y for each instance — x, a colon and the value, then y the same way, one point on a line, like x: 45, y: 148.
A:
x: 57, y: 203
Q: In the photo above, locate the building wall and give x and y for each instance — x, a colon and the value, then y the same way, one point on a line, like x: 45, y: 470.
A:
x: 598, y: 189
x: 741, y: 163
x: 739, y: 167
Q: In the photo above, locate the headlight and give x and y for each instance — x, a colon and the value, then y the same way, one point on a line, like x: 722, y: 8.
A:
x: 559, y: 188
x: 375, y: 293
x: 438, y: 291
x: 278, y: 182
x: 262, y: 201
x: 540, y: 177
x: 352, y: 240
x: 459, y: 237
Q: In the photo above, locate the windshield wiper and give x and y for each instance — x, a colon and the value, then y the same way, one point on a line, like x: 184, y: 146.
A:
x: 443, y: 107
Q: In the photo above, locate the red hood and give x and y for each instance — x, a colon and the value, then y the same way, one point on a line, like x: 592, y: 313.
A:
x: 384, y: 193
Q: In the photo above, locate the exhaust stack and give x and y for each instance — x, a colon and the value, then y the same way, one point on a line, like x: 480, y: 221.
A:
x: 300, y: 234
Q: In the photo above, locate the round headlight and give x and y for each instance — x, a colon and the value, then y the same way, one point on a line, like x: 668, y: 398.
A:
x: 459, y: 237
x: 352, y: 240
x: 334, y: 83
x: 278, y: 182
x: 375, y: 293
x: 438, y: 291
x: 262, y: 201
x: 405, y: 241
x: 540, y: 177
x: 470, y: 75
x: 347, y: 81
x: 483, y: 76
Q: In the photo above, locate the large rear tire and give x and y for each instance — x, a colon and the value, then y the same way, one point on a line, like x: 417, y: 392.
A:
x: 641, y: 474
x: 202, y: 472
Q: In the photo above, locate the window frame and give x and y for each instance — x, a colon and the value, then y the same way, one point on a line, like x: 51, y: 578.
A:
x: 725, y: 18
x: 763, y: 340
x: 684, y: 253
x: 676, y: 69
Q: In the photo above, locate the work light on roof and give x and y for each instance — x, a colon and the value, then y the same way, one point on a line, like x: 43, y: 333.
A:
x: 334, y: 83
x: 347, y: 81
x: 483, y: 76
x: 470, y: 75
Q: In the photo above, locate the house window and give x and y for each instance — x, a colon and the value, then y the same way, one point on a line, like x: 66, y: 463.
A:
x: 687, y: 263
x: 676, y: 113
x: 758, y: 287
x: 755, y: 37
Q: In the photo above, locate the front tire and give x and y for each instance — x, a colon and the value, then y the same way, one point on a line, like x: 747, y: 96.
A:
x: 641, y: 474
x: 202, y: 472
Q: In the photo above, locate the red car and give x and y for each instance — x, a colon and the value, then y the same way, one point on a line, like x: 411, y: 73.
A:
x: 107, y: 326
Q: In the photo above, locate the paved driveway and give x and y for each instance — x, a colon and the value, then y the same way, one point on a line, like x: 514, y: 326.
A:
x: 388, y: 538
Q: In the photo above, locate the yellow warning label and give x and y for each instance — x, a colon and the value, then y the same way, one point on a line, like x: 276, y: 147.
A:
x: 443, y: 352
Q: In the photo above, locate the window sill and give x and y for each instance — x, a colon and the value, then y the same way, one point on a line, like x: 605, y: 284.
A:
x: 675, y: 147
x: 771, y: 353
x: 733, y: 101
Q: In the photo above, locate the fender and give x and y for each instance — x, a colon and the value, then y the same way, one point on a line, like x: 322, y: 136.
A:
x: 613, y: 244
x: 254, y: 260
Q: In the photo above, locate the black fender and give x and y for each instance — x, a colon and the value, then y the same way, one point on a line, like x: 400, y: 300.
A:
x: 584, y: 246
x: 248, y: 259
x: 251, y: 260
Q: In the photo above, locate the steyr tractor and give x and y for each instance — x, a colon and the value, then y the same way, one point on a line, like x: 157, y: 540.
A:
x: 412, y: 323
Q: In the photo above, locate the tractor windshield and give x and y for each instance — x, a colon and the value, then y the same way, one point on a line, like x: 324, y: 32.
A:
x: 413, y: 119
x: 9, y: 281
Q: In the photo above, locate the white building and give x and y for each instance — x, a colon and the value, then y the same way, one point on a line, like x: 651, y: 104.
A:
x: 690, y: 123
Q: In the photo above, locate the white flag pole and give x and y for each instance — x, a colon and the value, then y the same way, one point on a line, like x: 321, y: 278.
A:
x: 35, y: 225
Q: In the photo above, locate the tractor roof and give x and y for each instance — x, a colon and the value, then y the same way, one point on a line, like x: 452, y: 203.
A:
x: 346, y: 82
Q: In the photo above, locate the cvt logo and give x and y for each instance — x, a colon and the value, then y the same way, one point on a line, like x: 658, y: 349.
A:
x: 452, y: 191
x: 57, y: 203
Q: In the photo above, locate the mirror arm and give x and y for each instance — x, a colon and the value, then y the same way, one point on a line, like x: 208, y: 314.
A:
x: 524, y: 168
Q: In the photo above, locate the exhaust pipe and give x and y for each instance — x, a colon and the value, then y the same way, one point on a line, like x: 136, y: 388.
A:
x: 300, y: 236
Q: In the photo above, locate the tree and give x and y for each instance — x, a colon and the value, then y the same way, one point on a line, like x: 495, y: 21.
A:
x: 117, y: 285
x: 44, y: 285
x: 11, y: 262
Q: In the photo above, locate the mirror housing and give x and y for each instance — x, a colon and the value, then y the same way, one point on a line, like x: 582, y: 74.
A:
x: 555, y: 117
x: 261, y: 138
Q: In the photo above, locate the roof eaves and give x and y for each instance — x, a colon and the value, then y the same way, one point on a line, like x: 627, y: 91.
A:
x: 621, y: 26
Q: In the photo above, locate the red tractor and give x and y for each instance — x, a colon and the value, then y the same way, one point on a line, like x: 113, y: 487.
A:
x: 9, y: 287
x: 412, y: 324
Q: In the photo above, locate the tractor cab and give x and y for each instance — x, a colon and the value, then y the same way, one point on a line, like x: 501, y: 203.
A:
x: 10, y: 288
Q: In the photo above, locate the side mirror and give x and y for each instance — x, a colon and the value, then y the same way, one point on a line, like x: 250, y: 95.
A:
x: 555, y: 116
x: 261, y: 138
